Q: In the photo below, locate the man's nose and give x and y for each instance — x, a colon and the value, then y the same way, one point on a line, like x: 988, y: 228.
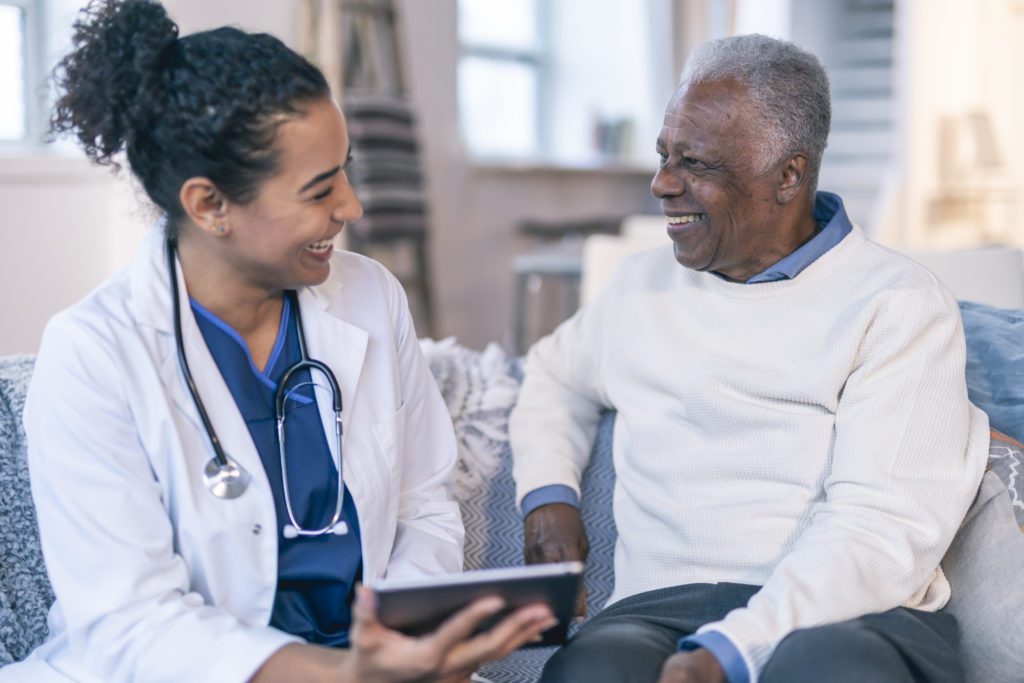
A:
x: 666, y: 184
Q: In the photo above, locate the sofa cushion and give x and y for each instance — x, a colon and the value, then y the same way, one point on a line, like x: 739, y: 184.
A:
x: 1006, y: 460
x: 984, y: 567
x: 995, y: 364
x: 480, y: 390
x: 25, y: 594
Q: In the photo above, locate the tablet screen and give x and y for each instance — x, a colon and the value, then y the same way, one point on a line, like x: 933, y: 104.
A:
x: 418, y: 606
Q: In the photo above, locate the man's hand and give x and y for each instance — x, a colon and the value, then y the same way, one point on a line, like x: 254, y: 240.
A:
x: 554, y: 533
x: 697, y: 666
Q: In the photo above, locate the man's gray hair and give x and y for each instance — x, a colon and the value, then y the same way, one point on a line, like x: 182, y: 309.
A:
x: 787, y: 85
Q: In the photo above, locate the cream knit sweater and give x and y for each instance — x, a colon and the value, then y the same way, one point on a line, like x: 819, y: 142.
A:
x: 812, y: 436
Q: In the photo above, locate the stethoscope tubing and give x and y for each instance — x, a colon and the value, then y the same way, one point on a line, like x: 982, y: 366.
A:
x: 218, y: 451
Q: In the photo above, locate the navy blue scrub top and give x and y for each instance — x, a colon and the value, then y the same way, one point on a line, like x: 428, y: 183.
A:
x: 316, y: 575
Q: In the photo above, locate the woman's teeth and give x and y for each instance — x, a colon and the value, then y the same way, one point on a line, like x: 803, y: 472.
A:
x: 687, y: 218
x: 321, y: 246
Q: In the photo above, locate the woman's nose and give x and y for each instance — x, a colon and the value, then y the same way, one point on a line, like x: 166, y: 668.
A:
x: 349, y: 208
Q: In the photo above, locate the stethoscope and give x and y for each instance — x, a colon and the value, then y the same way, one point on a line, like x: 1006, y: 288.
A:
x: 223, y: 476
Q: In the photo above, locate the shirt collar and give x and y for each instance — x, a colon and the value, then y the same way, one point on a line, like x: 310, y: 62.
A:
x: 252, y: 389
x: 828, y: 212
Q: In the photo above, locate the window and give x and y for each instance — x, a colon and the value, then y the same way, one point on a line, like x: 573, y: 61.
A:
x: 499, y: 76
x: 34, y: 34
x: 563, y: 82
x: 16, y: 71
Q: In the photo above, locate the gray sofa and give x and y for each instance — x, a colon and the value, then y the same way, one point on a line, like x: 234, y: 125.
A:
x: 480, y: 389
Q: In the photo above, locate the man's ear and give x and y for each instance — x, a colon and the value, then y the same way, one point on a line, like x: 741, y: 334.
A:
x: 792, y: 178
x: 205, y: 206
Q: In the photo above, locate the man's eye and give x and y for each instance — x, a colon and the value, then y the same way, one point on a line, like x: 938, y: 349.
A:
x: 663, y: 157
x: 323, y: 195
x: 690, y: 161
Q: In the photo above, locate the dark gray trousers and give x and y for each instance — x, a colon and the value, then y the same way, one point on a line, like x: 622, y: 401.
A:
x: 629, y: 641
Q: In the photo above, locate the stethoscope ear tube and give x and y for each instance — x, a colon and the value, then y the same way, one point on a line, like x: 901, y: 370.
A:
x: 281, y: 395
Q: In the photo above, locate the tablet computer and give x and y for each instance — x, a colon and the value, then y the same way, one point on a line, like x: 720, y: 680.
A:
x: 418, y: 606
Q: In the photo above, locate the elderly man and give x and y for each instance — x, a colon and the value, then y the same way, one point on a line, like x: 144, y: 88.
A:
x: 794, y: 447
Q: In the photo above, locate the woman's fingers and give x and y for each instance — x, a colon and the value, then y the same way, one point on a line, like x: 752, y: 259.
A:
x: 364, y: 617
x: 511, y: 633
x: 452, y: 651
x: 364, y: 608
x: 461, y: 625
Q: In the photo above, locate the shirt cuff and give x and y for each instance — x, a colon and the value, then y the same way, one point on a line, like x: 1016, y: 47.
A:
x: 727, y: 654
x: 545, y: 495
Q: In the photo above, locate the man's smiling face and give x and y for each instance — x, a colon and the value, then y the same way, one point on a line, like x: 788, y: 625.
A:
x: 719, y: 200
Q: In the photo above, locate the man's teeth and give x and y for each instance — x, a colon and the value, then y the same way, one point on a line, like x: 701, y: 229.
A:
x: 322, y: 245
x: 688, y: 218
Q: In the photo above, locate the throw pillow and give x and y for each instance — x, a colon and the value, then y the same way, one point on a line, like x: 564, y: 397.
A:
x: 480, y: 389
x: 995, y: 364
x: 25, y: 594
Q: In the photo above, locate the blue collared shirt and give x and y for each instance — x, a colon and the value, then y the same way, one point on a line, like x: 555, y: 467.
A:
x: 315, y: 575
x: 835, y: 225
x: 829, y: 213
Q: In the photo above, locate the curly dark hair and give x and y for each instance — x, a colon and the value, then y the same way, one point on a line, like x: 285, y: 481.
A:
x: 208, y: 104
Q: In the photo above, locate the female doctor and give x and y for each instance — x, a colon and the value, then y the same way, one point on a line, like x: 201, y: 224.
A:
x: 231, y: 434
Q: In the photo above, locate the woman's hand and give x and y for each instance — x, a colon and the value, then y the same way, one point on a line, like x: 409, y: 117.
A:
x: 380, y: 655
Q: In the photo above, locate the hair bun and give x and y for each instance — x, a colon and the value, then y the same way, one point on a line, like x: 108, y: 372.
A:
x: 109, y: 83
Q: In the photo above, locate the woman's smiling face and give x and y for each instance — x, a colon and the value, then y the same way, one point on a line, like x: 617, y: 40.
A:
x: 283, y: 239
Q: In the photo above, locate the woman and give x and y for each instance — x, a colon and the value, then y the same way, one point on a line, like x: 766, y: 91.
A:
x: 204, y: 514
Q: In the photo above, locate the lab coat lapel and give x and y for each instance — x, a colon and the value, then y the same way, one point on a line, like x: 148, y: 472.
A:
x: 339, y: 344
x: 219, y: 403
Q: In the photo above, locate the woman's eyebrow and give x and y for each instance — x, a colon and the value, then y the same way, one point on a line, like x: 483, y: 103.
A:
x: 320, y: 178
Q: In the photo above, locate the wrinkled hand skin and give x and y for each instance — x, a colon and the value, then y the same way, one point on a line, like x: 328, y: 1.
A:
x: 555, y: 533
x: 697, y: 666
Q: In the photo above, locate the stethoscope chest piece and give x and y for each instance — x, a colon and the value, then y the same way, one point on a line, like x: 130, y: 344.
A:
x: 227, y: 480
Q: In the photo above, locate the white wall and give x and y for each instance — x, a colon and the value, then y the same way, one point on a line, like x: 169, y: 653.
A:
x: 770, y: 17
x: 278, y: 17
x: 956, y: 58
x: 64, y: 228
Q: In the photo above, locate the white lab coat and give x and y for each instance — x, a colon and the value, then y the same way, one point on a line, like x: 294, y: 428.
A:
x: 155, y: 578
